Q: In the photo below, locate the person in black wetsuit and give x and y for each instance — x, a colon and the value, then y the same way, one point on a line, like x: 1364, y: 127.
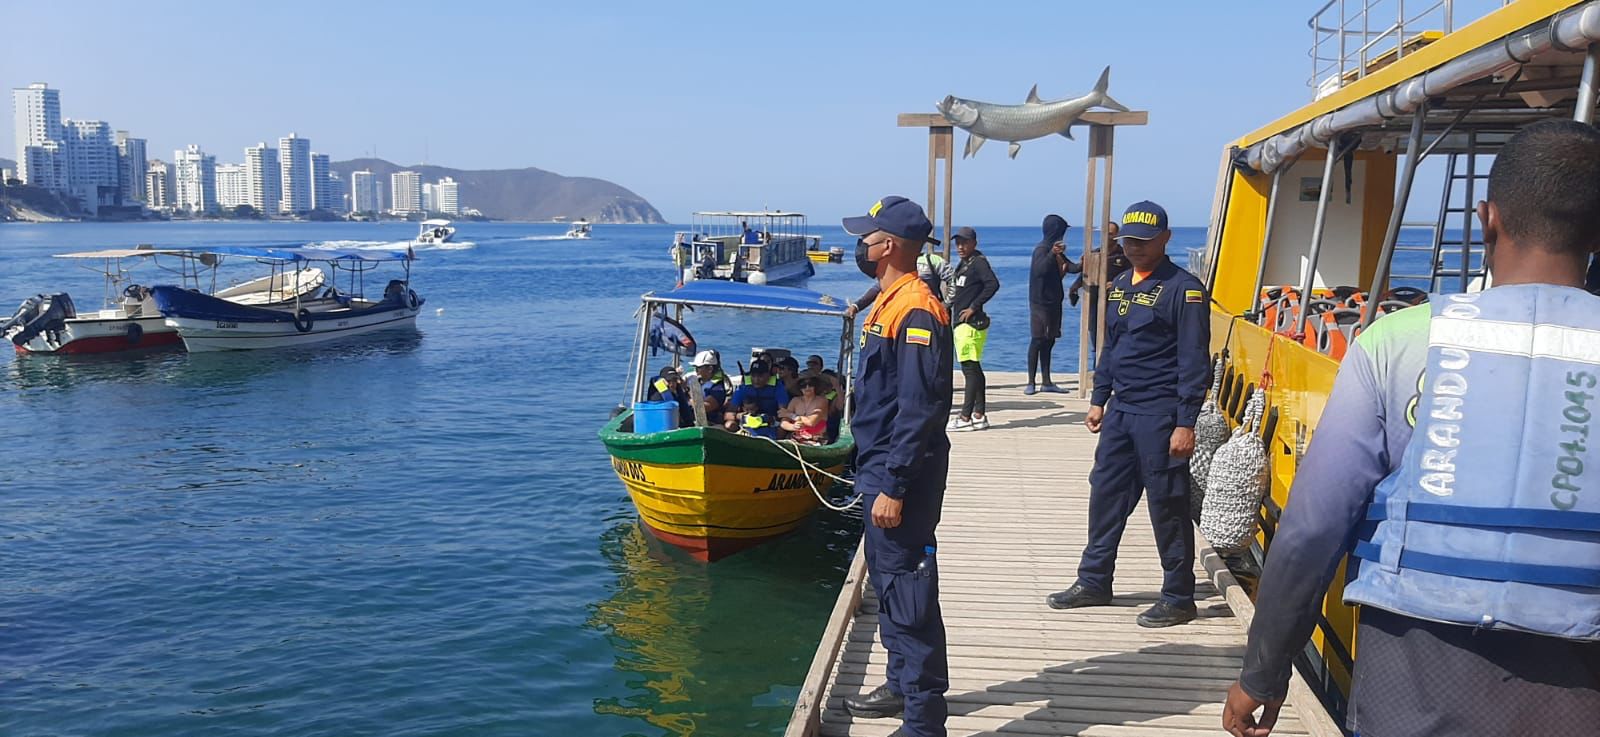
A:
x: 1045, y: 295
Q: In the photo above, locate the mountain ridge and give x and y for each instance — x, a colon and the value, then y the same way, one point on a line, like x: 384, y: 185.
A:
x: 528, y: 193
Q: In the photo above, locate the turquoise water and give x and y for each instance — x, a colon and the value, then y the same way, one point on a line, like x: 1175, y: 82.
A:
x: 409, y: 533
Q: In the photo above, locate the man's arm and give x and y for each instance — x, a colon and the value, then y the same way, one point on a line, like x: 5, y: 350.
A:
x: 1103, y: 368
x: 868, y: 297
x: 922, y: 358
x: 1345, y: 462
x: 991, y: 283
x: 1193, y: 321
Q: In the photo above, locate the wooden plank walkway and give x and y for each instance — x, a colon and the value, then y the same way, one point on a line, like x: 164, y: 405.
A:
x: 1013, y: 527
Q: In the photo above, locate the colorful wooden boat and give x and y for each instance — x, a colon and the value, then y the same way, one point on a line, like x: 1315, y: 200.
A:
x: 713, y: 492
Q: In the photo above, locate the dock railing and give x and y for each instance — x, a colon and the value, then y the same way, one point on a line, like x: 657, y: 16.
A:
x: 1353, y: 38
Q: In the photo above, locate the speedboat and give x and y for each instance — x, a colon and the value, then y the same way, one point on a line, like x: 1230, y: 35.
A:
x: 702, y: 488
x: 434, y: 232
x: 579, y: 229
x: 766, y: 247
x: 128, y: 318
x: 209, y: 323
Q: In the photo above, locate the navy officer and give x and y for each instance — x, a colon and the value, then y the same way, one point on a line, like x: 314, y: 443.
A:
x: 1154, y: 369
x: 902, y: 399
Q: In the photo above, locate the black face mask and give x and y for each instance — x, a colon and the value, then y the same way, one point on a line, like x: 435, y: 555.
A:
x: 865, y: 264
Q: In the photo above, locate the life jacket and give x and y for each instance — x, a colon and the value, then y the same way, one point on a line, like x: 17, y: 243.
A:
x: 756, y: 424
x: 1489, y: 520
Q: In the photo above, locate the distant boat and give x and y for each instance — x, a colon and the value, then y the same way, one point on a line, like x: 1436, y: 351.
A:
x: 766, y: 247
x: 435, y: 232
x: 129, y: 319
x: 206, y: 323
x: 579, y: 229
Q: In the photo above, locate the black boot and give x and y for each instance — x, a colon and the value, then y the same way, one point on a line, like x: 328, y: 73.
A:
x: 1078, y: 596
x: 878, y: 704
x: 1167, y: 614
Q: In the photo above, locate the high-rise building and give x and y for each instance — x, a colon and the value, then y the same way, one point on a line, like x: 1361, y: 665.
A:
x: 365, y: 195
x: 446, y: 200
x: 157, y: 185
x: 131, y: 166
x: 338, y: 198
x: 295, y: 154
x: 322, y: 197
x: 37, y: 111
x: 263, y: 178
x: 92, y: 163
x: 430, y: 197
x: 44, y: 165
x: 195, y: 183
x: 233, y: 186
x: 405, y: 192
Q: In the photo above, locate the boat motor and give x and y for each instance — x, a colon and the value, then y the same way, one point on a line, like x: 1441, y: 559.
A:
x: 38, y: 314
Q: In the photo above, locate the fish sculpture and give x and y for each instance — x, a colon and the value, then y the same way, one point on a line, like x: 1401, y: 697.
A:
x: 1032, y: 119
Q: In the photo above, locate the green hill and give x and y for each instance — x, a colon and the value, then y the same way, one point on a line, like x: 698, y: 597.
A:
x: 523, y: 194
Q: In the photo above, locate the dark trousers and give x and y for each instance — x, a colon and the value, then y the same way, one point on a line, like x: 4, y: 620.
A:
x: 1132, y: 457
x: 909, y: 621
x: 976, y: 391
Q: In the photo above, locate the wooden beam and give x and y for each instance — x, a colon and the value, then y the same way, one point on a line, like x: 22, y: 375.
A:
x: 935, y: 120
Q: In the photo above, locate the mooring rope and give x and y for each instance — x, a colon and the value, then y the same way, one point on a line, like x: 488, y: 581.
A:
x: 793, y: 451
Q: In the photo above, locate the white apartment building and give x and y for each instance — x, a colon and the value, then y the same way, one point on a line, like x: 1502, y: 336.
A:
x: 445, y: 197
x: 430, y: 197
x: 92, y: 162
x: 295, y: 155
x: 195, y: 180
x: 405, y: 192
x: 37, y: 119
x: 131, y: 167
x: 263, y: 178
x: 157, y: 185
x: 322, y: 195
x: 338, y: 198
x: 233, y: 186
x: 365, y: 195
x: 44, y: 165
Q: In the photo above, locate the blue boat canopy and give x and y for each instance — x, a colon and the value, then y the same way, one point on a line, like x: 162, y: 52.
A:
x: 301, y: 253
x: 738, y: 295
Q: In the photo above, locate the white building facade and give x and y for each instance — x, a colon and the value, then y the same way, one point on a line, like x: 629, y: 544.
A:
x: 233, y: 186
x: 323, y: 196
x: 405, y: 192
x: 157, y: 185
x: 295, y: 154
x: 449, y: 202
x: 37, y: 121
x: 195, y: 180
x: 92, y: 163
x: 263, y: 178
x: 365, y: 195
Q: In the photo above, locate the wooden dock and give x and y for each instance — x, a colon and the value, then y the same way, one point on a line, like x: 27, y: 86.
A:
x: 1012, y: 530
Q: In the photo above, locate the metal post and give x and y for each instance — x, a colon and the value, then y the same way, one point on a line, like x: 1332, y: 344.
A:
x: 1316, y: 238
x: 1414, y: 154
x: 1266, y: 236
x: 1587, y: 85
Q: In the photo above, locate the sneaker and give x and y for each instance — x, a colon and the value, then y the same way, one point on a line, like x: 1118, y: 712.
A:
x: 1167, y: 614
x: 1078, y: 596
x: 958, y: 425
x: 980, y: 422
x: 1030, y: 391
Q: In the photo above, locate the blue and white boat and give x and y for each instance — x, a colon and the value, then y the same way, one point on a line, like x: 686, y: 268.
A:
x: 207, y: 323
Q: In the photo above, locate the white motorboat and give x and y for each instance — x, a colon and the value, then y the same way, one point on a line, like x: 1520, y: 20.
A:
x: 766, y: 247
x: 128, y: 318
x: 579, y: 229
x: 207, y: 323
x: 434, y: 232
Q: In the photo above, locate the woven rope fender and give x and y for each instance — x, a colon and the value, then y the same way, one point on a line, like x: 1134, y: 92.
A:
x: 1210, y: 432
x: 1236, y: 483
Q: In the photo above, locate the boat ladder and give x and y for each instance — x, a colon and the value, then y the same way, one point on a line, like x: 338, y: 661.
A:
x: 1455, y: 258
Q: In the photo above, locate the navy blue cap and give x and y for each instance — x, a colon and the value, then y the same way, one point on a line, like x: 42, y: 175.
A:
x: 896, y: 216
x: 1143, y: 221
x: 759, y: 366
x: 965, y: 233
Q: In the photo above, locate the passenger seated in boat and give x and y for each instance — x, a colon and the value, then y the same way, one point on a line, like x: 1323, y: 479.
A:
x: 763, y: 387
x: 789, y: 374
x: 712, y: 383
x: 755, y: 423
x: 749, y: 236
x: 669, y: 385
x: 814, y: 366
x: 806, y: 417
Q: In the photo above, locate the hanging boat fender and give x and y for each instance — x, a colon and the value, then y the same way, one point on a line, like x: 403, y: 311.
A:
x: 1236, y: 483
x: 302, y: 320
x: 1210, y: 432
x: 412, y: 299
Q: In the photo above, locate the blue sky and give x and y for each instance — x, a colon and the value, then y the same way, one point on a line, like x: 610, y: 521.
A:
x: 694, y: 105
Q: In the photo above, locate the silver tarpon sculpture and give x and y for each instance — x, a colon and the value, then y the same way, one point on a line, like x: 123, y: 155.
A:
x: 1016, y: 123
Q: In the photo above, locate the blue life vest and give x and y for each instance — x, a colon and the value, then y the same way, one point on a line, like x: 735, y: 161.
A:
x: 1492, y: 519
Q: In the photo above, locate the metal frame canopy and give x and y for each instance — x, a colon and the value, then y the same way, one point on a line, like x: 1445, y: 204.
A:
x: 751, y: 214
x: 738, y: 295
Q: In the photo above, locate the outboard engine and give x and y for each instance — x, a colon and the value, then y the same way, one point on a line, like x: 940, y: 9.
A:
x: 38, y: 314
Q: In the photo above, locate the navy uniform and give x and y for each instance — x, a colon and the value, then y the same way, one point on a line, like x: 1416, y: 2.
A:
x: 1155, y: 365
x: 902, y: 400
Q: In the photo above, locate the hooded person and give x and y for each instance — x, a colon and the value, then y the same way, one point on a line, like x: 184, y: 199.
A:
x: 1049, y: 267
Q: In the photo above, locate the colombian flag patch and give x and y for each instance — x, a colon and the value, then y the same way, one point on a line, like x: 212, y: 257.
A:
x: 1193, y: 296
x: 919, y: 336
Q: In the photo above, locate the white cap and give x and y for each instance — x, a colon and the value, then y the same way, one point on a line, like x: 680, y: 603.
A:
x: 706, y: 358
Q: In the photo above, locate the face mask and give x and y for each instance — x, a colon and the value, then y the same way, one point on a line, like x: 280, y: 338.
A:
x: 865, y: 264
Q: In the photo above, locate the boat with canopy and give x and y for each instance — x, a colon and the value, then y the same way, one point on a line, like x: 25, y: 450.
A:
x: 757, y: 247
x: 702, y: 488
x: 340, y: 309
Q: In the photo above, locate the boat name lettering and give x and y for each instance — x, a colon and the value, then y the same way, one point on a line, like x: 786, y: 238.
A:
x: 342, y: 323
x: 222, y: 324
x: 629, y: 469
x: 1569, y: 463
x: 785, y: 482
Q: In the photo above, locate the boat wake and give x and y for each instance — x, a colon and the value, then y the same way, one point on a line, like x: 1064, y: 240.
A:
x: 544, y: 238
x: 394, y: 245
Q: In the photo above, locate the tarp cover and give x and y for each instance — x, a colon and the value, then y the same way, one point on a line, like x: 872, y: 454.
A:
x: 278, y: 253
x: 717, y: 293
